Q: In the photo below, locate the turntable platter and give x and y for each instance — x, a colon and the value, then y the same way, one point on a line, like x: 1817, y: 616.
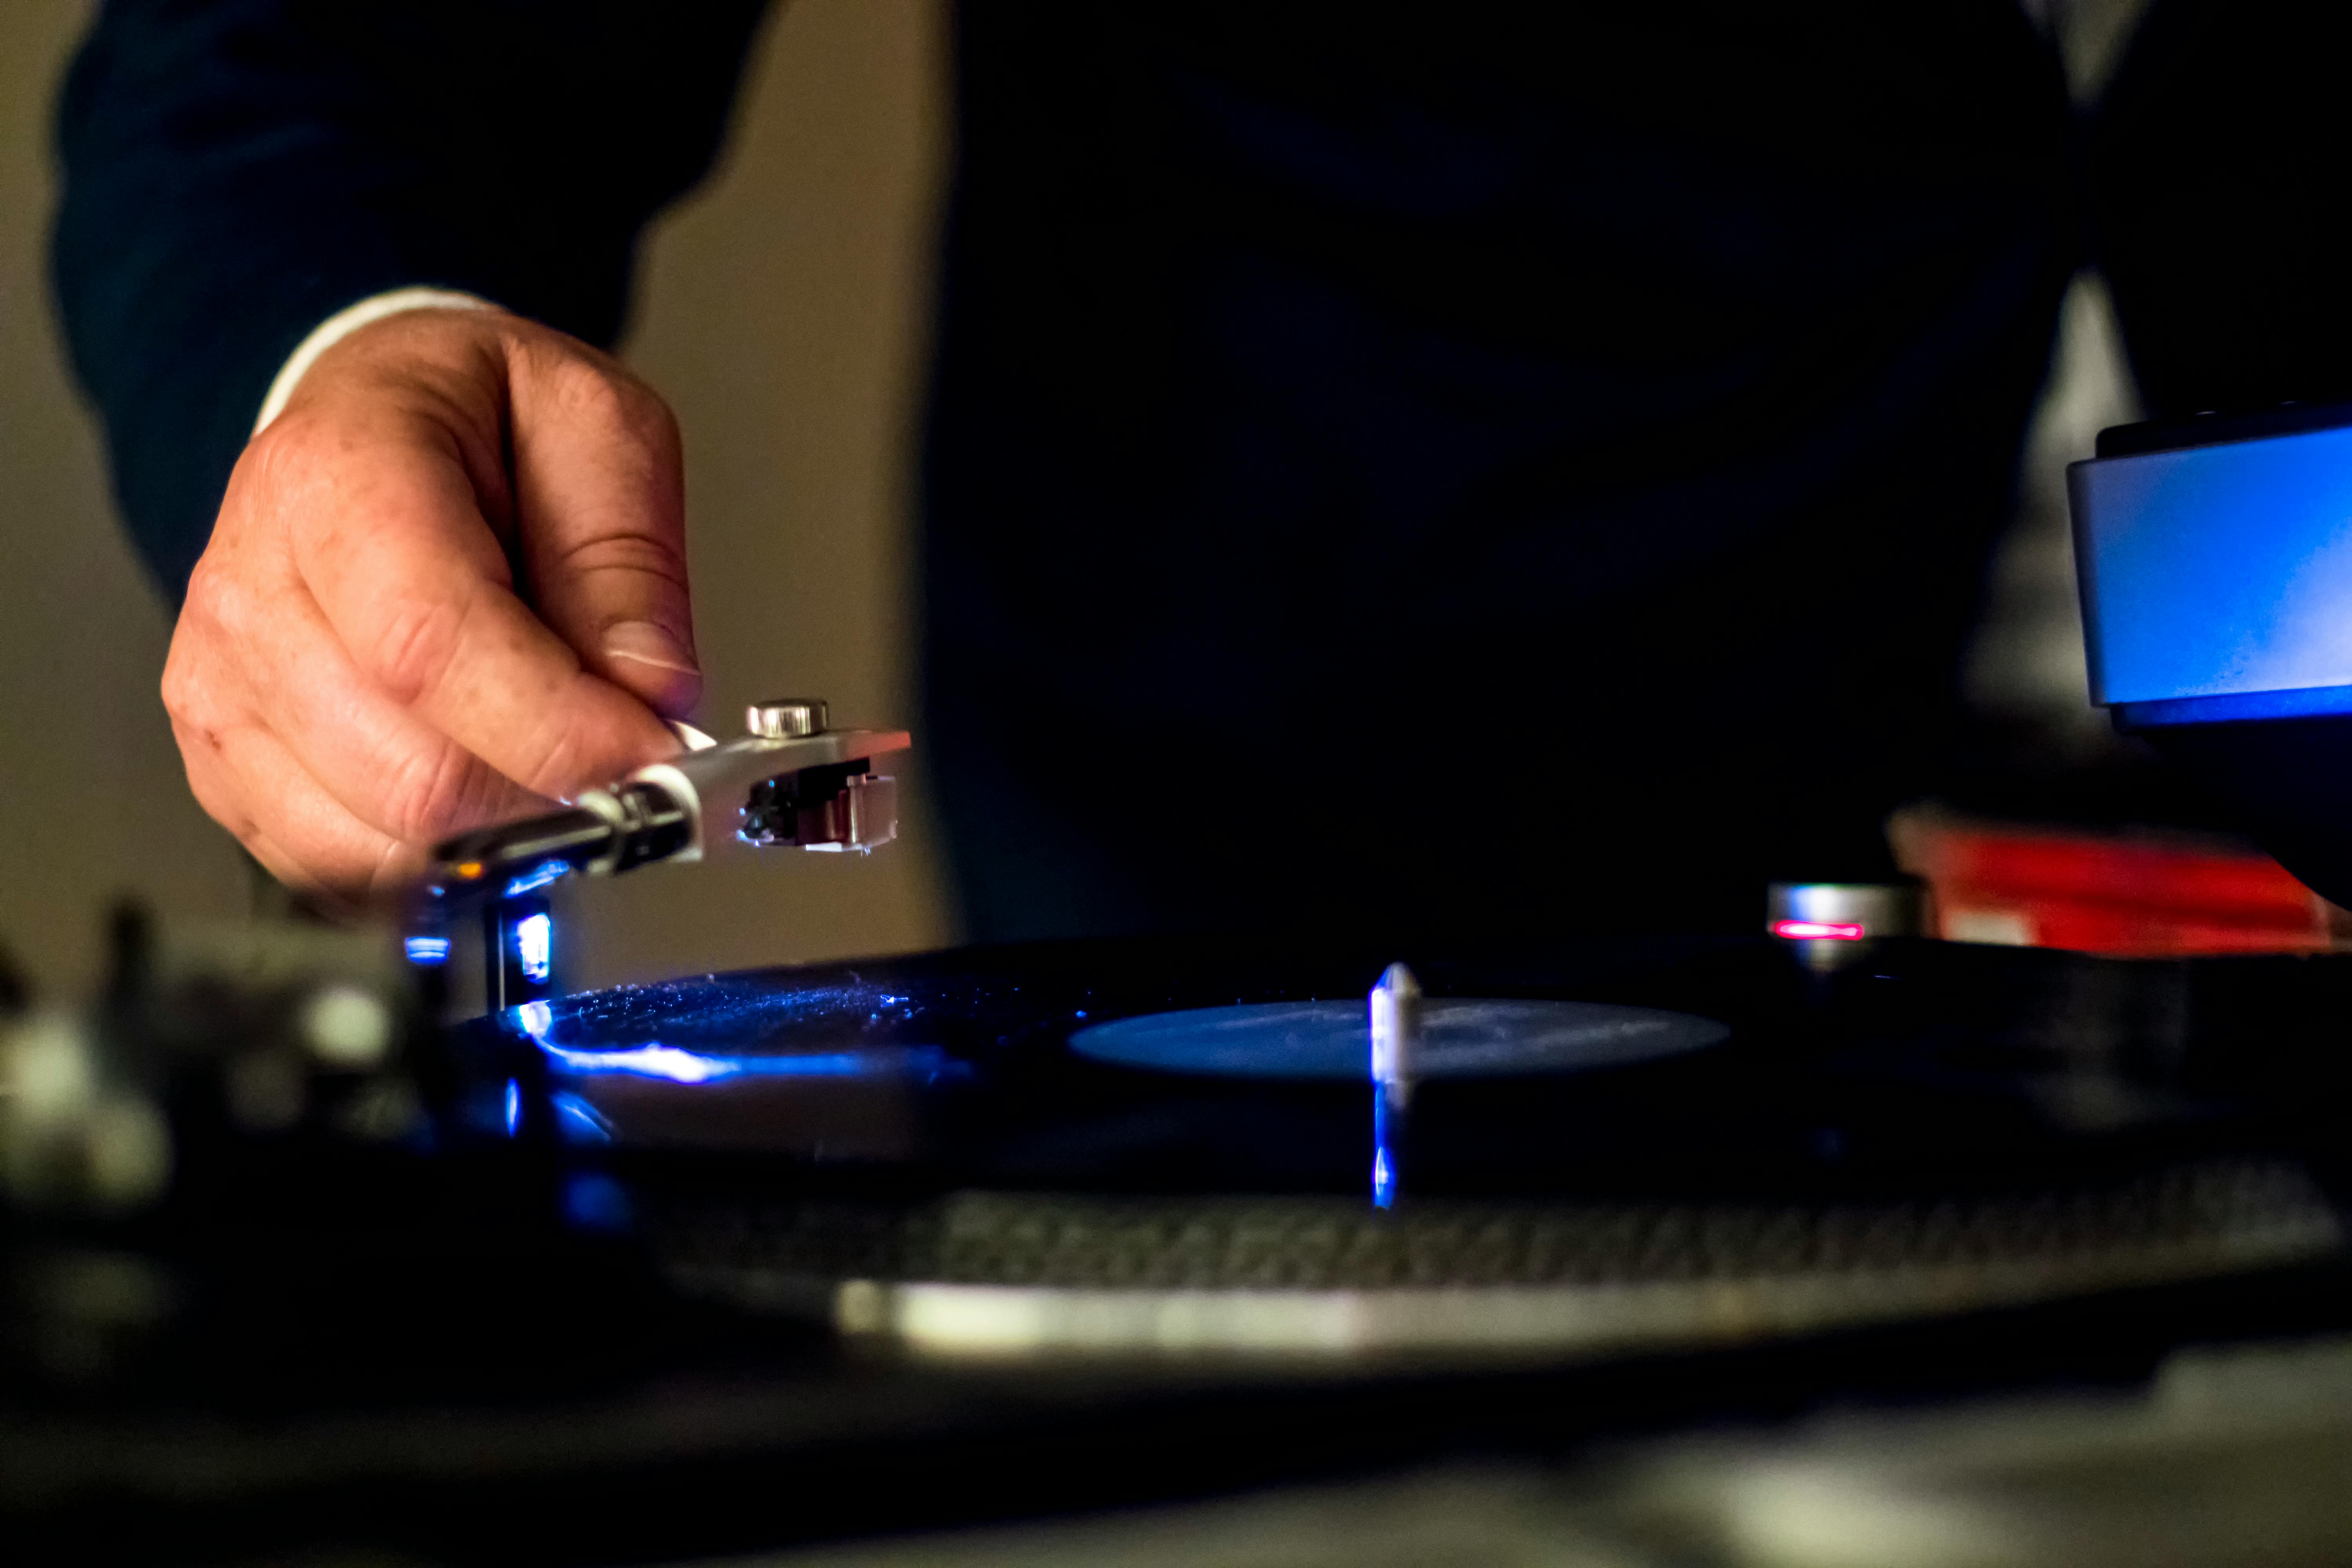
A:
x: 1084, y: 1144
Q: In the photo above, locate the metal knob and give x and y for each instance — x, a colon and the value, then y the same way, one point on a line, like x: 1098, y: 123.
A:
x: 786, y: 719
x: 1848, y: 911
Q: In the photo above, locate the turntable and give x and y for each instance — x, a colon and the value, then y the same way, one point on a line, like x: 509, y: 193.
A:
x: 720, y: 1263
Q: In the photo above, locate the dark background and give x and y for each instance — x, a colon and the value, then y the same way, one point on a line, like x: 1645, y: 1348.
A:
x: 785, y: 311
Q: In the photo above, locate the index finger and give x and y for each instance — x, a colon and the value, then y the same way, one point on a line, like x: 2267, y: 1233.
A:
x: 411, y: 577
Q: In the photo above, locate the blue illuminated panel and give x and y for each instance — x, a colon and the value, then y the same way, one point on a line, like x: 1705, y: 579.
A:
x: 534, y: 939
x: 2217, y: 579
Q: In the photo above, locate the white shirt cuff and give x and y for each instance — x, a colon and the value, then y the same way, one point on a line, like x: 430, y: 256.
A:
x: 346, y: 321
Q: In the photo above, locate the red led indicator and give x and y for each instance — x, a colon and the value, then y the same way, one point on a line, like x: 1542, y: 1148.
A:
x: 1814, y: 931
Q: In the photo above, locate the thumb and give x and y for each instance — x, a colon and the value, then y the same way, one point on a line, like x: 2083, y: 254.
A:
x: 599, y: 518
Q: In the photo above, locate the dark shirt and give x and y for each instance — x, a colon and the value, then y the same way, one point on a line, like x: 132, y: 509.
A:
x: 1497, y: 467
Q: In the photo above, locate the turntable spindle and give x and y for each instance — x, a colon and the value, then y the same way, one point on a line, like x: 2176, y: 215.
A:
x: 1396, y: 1050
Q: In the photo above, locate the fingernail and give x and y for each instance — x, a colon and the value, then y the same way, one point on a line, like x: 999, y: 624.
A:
x: 648, y: 644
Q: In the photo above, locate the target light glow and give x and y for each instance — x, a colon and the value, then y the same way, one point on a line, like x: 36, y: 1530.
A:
x: 1818, y: 931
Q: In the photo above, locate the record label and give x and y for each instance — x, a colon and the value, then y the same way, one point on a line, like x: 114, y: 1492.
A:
x: 1461, y: 1037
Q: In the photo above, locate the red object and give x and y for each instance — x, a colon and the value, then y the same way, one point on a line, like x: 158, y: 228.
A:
x: 2135, y: 895
x: 1806, y: 931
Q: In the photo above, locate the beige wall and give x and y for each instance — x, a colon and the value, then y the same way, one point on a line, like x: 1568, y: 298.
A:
x: 783, y: 310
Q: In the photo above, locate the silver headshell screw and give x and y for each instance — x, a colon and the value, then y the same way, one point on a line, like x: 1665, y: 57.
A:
x: 786, y: 719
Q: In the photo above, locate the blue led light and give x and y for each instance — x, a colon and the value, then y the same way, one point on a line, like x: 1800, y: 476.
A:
x: 427, y: 949
x: 654, y: 1059
x: 657, y: 1061
x: 514, y: 1108
x: 1388, y: 1126
x: 642, y: 1061
x: 534, y: 939
x: 538, y: 877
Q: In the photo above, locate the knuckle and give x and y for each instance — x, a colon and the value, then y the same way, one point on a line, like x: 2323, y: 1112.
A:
x: 586, y: 390
x: 190, y: 687
x: 638, y: 555
x: 268, y: 455
x: 232, y: 609
x: 609, y: 396
x: 184, y: 703
x: 205, y: 582
x: 276, y: 464
x: 416, y: 646
x: 216, y: 603
x: 183, y: 690
x: 433, y: 792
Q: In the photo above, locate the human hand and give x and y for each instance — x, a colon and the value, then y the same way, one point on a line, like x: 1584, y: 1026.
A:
x: 447, y: 584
